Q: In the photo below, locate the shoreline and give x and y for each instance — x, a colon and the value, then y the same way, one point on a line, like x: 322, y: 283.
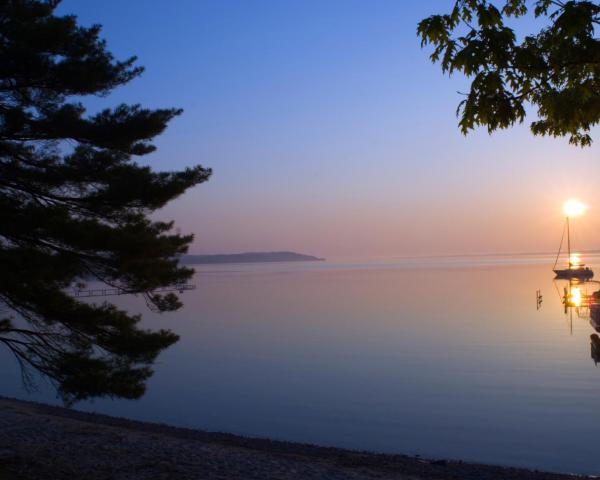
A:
x: 44, y: 441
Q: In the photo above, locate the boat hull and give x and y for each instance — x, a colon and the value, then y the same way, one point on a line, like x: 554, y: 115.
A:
x: 580, y: 273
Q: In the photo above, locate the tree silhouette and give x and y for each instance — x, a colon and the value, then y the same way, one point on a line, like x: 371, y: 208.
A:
x: 74, y: 206
x: 557, y: 70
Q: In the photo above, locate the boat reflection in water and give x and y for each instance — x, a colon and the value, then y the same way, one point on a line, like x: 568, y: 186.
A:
x: 582, y: 298
x: 595, y: 339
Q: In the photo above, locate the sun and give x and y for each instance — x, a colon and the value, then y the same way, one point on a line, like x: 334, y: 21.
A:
x: 574, y: 208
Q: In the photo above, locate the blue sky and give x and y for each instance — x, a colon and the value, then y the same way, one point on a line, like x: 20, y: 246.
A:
x: 331, y: 133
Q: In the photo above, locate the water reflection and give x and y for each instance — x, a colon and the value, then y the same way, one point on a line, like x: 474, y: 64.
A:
x: 444, y: 361
x: 581, y: 299
x: 595, y: 344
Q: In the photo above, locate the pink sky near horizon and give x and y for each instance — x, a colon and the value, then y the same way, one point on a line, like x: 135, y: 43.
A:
x: 491, y: 195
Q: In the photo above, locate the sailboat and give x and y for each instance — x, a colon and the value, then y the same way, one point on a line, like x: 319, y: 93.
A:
x: 575, y: 268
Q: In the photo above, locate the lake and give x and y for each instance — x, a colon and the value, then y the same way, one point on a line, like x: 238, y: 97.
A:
x: 440, y: 357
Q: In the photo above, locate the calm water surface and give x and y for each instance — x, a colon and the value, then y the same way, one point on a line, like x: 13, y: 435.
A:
x: 438, y: 357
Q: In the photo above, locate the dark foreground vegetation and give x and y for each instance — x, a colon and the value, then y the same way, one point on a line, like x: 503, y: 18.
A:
x: 75, y: 205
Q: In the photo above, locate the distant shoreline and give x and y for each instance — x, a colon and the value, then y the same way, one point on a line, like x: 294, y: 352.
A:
x: 248, y: 257
x: 43, y: 441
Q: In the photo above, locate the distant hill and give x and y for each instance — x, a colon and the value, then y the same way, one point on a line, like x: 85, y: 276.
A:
x: 249, y: 257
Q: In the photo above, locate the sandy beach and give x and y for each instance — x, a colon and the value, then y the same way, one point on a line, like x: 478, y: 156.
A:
x: 41, y: 441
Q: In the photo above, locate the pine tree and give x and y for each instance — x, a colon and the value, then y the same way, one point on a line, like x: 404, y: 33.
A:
x: 556, y: 70
x: 75, y: 205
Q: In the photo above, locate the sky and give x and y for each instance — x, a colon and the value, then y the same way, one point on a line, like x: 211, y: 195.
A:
x: 330, y: 132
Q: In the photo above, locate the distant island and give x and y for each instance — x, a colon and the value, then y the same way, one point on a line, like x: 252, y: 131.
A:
x: 250, y: 257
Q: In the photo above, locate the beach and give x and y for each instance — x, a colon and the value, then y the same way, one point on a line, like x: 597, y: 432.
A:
x: 42, y: 441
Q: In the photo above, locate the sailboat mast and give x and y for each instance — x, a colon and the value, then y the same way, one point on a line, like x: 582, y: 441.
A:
x: 569, y: 242
x: 576, y: 270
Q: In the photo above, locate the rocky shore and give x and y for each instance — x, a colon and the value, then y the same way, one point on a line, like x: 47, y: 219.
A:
x: 44, y: 442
